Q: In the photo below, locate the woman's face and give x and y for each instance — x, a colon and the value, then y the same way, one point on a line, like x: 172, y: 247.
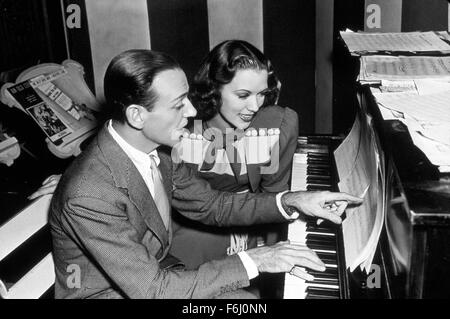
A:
x: 243, y: 96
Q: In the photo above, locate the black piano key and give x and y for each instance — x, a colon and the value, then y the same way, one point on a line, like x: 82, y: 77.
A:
x: 329, y: 261
x: 318, y: 187
x: 323, y: 291
x: 320, y: 246
x: 320, y: 182
x: 318, y: 281
x: 323, y: 275
x: 320, y: 238
x: 318, y: 166
x: 326, y: 255
x: 316, y: 172
x: 317, y: 160
x: 312, y: 178
x: 324, y: 243
x: 328, y: 271
x: 318, y: 155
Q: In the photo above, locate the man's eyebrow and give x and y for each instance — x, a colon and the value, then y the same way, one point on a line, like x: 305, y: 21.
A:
x: 182, y: 96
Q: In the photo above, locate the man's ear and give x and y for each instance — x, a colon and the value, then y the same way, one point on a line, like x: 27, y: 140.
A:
x: 136, y: 115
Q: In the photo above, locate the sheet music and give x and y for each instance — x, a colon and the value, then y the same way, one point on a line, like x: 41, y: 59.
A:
x: 399, y: 42
x: 430, y: 86
x: 398, y: 68
x: 345, y: 155
x: 362, y: 226
x: 430, y: 108
x: 432, y: 140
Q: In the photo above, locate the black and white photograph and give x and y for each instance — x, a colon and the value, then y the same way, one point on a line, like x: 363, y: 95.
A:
x: 47, y: 119
x: 263, y: 151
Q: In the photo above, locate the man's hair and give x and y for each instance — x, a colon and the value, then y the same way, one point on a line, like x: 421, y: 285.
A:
x: 219, y: 68
x: 129, y: 77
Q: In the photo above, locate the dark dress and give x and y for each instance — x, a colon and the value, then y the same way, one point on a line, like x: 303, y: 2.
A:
x: 194, y: 243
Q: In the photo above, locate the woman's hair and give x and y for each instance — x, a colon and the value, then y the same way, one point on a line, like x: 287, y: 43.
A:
x: 219, y: 68
x: 129, y: 78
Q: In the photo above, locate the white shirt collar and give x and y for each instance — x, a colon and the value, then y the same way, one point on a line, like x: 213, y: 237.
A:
x: 138, y: 157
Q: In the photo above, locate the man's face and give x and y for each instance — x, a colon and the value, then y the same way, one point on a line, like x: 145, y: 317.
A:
x: 164, y: 124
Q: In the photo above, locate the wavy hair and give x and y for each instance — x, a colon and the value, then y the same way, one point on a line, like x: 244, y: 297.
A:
x: 219, y: 68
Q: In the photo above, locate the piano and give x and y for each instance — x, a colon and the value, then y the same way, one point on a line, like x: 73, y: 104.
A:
x: 313, y: 170
x: 412, y: 258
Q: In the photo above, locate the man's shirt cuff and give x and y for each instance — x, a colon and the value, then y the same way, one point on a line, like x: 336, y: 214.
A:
x: 249, y: 265
x: 294, y: 215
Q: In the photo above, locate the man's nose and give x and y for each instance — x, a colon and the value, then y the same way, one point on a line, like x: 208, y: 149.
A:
x: 190, y: 110
x: 253, y: 104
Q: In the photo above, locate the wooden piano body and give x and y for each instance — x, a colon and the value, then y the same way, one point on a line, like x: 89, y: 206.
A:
x: 413, y: 251
x: 412, y: 258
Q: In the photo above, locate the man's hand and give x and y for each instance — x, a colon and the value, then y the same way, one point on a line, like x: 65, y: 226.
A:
x: 283, y: 257
x: 48, y: 187
x: 324, y: 205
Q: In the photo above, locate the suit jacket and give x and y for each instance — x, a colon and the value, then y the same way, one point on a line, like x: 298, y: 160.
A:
x: 110, y: 242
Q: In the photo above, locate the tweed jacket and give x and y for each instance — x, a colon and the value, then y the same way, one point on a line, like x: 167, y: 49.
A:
x: 109, y: 240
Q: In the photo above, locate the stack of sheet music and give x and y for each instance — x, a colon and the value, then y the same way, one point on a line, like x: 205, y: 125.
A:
x: 428, y: 120
x: 410, y: 78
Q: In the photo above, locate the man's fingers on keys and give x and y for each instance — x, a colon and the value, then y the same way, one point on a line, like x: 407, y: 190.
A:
x: 310, y: 263
x: 299, y: 272
x: 307, y: 257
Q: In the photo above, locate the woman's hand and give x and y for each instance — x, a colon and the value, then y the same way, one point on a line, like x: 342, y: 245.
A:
x: 48, y: 187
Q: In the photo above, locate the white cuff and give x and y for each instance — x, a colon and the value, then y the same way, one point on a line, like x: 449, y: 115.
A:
x: 281, y: 209
x: 249, y: 265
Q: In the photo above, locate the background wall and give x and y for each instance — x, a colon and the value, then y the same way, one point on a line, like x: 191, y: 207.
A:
x: 406, y: 15
x: 283, y: 29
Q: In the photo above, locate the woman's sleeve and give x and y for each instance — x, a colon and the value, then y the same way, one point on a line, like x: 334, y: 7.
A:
x: 279, y: 181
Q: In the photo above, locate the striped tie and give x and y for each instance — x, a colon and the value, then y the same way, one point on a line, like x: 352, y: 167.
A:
x: 160, y: 196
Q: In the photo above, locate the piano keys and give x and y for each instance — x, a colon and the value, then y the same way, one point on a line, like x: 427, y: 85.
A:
x: 312, y: 170
x: 411, y: 259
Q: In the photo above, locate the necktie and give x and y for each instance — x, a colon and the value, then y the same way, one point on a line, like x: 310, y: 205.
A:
x: 160, y: 196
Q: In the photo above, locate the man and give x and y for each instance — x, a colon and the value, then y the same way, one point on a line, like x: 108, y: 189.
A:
x: 110, y: 214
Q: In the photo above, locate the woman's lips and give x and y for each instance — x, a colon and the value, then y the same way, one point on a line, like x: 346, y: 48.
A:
x: 246, y: 117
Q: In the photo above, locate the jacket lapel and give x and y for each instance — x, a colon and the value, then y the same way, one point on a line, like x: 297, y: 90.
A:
x: 143, y: 200
x: 126, y: 176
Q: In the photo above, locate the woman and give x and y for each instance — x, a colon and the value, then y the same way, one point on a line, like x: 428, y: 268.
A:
x: 236, y: 88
